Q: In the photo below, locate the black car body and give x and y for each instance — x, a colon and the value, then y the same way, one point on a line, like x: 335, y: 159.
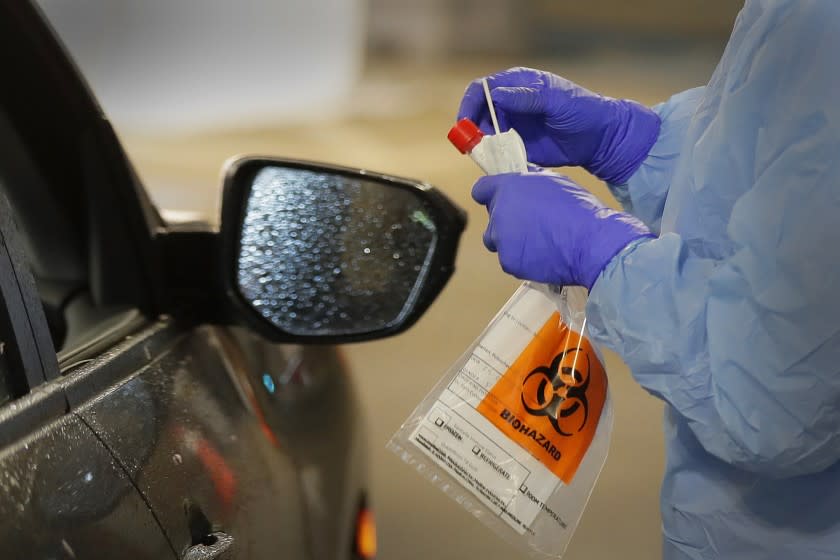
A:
x: 144, y: 413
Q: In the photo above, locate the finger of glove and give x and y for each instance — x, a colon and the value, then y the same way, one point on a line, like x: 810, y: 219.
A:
x: 510, y: 259
x: 473, y: 103
x: 517, y: 77
x: 489, y: 237
x: 484, y: 190
x: 523, y: 100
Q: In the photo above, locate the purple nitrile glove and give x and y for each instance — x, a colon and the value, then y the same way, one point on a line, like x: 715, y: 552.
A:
x: 565, y: 124
x: 548, y: 229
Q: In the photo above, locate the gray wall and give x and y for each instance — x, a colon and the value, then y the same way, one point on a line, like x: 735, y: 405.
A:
x: 437, y: 28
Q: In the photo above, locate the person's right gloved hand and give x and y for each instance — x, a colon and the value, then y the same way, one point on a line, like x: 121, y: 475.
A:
x: 563, y: 124
x: 547, y: 228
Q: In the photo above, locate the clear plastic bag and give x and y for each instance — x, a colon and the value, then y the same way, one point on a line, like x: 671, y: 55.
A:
x: 518, y: 429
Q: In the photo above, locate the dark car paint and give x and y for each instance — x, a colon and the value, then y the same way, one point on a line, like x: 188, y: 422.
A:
x: 318, y: 418
x: 208, y: 450
x: 192, y: 442
x: 62, y: 495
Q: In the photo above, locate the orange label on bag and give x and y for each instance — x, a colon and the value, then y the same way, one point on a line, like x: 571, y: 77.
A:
x: 550, y: 400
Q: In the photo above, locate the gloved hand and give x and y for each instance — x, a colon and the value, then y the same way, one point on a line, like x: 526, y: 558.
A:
x: 548, y: 229
x: 565, y: 124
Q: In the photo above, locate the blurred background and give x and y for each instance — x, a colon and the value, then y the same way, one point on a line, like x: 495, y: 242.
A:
x: 376, y: 84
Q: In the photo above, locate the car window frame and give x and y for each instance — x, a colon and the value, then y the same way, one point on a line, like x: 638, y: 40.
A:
x: 29, y: 349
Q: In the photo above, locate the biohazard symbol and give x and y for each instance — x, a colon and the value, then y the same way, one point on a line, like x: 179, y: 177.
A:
x: 558, y: 391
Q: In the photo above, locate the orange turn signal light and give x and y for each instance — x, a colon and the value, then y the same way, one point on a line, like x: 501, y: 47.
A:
x: 365, y: 534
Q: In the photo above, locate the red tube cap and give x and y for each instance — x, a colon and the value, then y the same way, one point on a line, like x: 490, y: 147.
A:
x: 465, y: 136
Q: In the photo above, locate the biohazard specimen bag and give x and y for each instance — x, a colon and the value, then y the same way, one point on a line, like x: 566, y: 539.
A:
x: 518, y: 429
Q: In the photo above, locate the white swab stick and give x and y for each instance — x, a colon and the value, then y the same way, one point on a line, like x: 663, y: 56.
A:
x: 490, y: 105
x: 580, y: 341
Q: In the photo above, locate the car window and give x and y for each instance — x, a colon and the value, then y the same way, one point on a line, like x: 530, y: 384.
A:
x: 50, y: 246
x: 56, y: 255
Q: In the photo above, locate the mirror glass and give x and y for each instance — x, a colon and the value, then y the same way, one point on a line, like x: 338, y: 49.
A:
x: 327, y: 254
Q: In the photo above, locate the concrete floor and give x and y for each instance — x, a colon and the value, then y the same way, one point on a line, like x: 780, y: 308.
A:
x: 397, y: 123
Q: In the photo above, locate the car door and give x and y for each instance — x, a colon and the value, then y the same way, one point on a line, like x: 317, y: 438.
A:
x: 183, y: 467
x: 62, y: 493
x: 185, y: 431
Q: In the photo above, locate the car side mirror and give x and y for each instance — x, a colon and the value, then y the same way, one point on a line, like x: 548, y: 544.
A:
x: 326, y: 254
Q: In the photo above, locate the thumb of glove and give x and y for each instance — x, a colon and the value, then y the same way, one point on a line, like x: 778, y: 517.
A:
x: 485, y: 189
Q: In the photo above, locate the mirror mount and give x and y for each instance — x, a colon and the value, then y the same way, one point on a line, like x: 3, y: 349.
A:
x: 192, y: 287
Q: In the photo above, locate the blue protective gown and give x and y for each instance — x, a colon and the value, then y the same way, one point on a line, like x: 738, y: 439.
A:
x: 732, y: 316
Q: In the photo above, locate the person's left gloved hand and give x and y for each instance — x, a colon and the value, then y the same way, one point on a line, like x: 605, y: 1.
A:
x: 562, y: 123
x: 548, y: 229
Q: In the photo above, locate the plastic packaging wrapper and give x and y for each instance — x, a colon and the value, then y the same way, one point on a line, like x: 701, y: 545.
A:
x: 518, y: 429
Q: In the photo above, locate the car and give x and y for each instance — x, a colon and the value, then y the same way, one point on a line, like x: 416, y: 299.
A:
x: 173, y: 390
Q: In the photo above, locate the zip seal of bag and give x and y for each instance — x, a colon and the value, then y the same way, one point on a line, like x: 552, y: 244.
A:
x: 518, y: 428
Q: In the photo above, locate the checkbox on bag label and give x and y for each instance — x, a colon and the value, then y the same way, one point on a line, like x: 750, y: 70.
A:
x: 523, y: 488
x: 476, y: 449
x: 439, y: 422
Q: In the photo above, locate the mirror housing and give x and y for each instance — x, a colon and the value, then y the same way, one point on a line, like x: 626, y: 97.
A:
x: 315, y: 253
